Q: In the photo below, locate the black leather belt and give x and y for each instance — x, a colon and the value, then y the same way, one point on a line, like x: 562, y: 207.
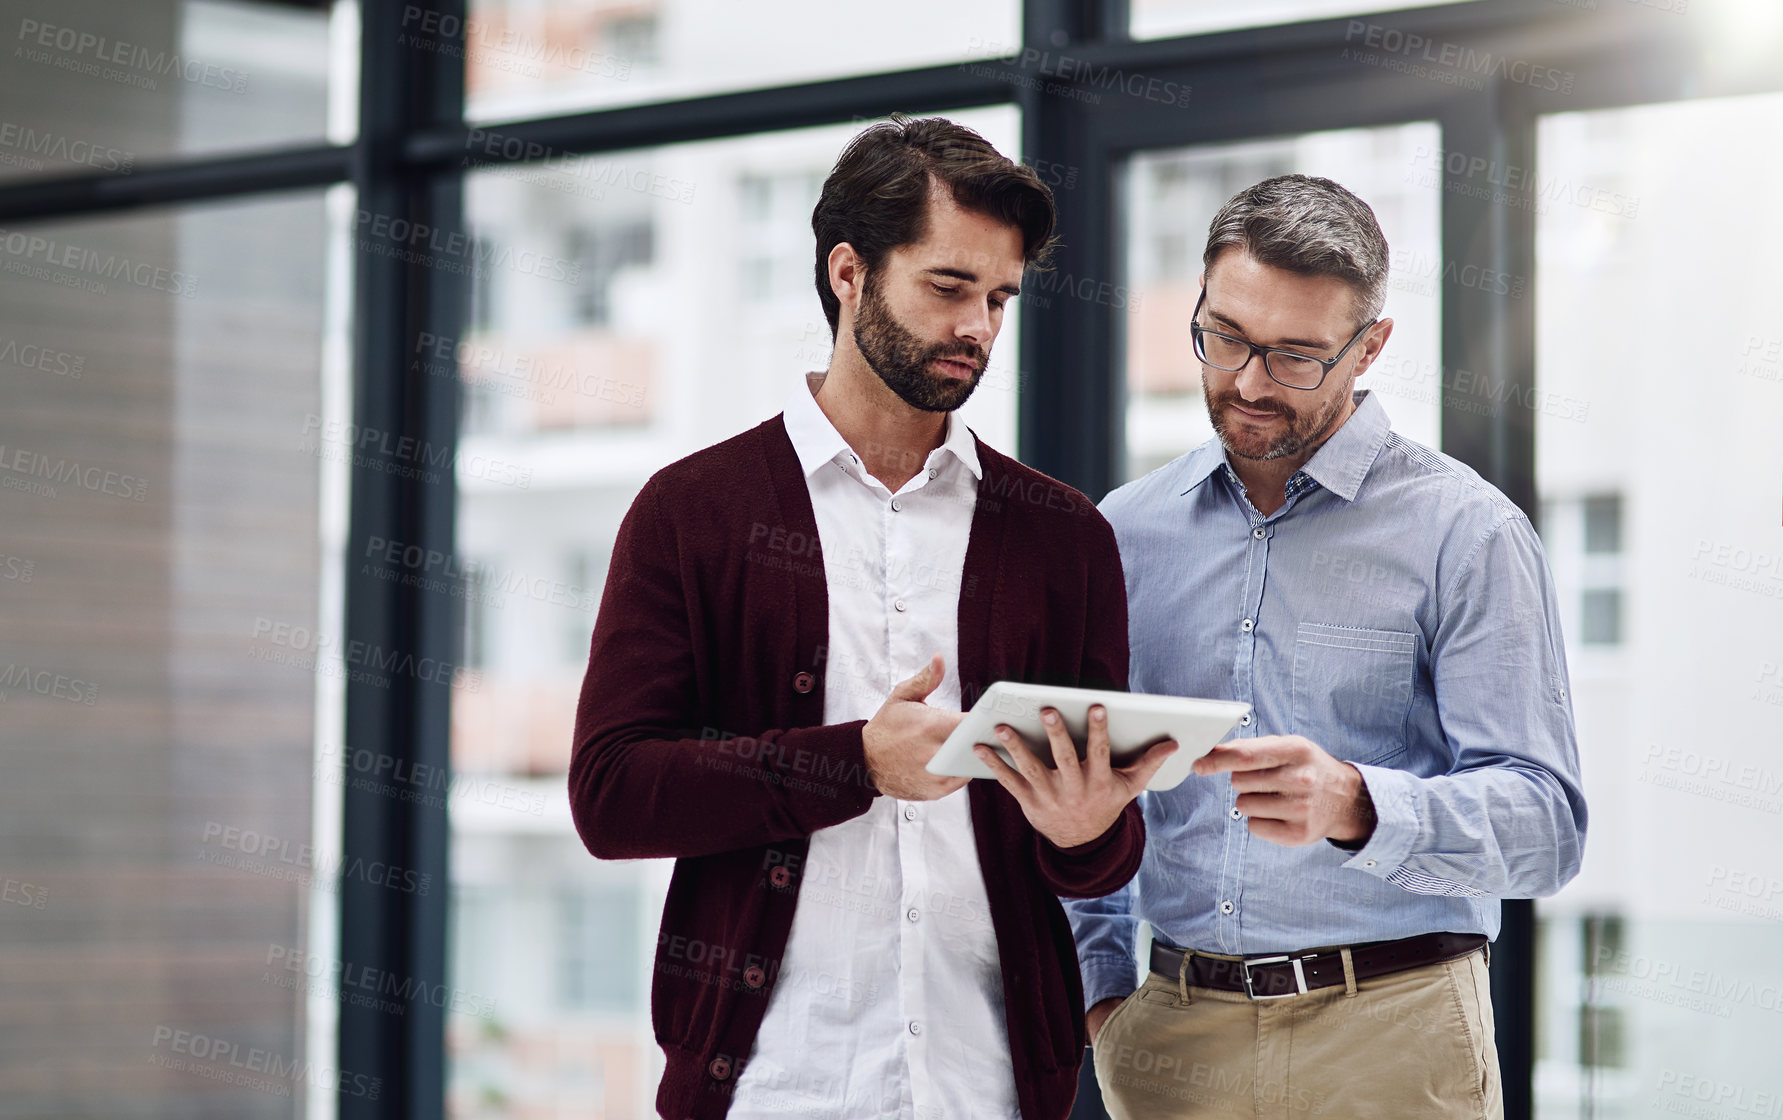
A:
x: 1293, y: 974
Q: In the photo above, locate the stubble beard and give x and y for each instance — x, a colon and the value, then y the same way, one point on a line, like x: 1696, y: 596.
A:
x: 1304, y: 430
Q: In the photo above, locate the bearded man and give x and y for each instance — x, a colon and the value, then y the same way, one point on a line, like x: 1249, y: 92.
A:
x: 792, y: 622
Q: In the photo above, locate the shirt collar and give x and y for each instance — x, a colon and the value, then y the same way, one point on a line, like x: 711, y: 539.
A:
x: 814, y: 438
x: 817, y: 442
x: 962, y: 445
x: 1342, y: 462
x: 1339, y: 465
x: 1201, y: 462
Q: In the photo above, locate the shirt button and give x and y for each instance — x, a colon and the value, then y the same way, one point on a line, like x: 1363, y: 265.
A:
x: 913, y: 914
x: 1259, y: 532
x: 754, y: 977
x: 915, y: 1027
x: 804, y: 682
x: 1236, y: 815
x: 899, y: 604
x: 1244, y: 720
x: 909, y: 812
x: 1225, y: 907
x: 720, y: 1069
x: 780, y: 877
x: 933, y: 473
x: 1367, y: 863
x: 897, y: 506
x: 1247, y: 626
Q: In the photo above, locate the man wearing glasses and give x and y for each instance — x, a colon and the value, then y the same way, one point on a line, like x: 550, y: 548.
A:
x: 1321, y: 893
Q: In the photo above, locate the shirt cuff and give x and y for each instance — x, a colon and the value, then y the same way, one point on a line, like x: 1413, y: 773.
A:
x: 1394, y: 793
x: 1108, y: 977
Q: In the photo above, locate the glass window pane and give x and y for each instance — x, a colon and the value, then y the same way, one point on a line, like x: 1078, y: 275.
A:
x: 639, y: 306
x: 94, y: 85
x: 1658, y: 978
x: 1172, y: 195
x: 1156, y: 19
x: 1603, y: 523
x: 1602, y: 616
x: 169, y: 660
x: 527, y: 57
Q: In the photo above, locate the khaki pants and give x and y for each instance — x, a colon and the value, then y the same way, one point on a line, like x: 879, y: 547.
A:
x: 1410, y: 1045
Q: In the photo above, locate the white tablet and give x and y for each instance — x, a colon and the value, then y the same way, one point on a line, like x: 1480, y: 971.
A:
x: 1135, y: 721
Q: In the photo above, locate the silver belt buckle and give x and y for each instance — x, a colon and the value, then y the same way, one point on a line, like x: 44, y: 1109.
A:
x: 1299, y: 975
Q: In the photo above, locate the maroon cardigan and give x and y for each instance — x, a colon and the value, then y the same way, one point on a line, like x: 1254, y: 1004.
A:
x: 699, y: 735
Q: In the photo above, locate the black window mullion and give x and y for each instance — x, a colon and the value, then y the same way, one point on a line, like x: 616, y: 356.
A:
x: 400, y: 712
x: 1488, y: 329
x: 1067, y: 415
x: 174, y: 183
x: 711, y: 117
x: 1488, y: 422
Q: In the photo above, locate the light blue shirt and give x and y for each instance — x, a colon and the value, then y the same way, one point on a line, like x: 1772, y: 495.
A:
x: 1398, y: 612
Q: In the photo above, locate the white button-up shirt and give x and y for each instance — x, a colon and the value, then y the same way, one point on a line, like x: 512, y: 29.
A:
x: 889, y: 1001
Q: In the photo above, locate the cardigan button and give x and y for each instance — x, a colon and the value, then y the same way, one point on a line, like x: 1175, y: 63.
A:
x: 754, y: 977
x: 804, y: 682
x: 780, y: 876
x: 720, y: 1069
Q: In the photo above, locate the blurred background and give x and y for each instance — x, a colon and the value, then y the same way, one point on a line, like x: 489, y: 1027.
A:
x: 336, y: 338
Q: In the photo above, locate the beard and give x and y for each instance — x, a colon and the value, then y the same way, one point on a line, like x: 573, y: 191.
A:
x: 902, y: 360
x: 1241, y: 438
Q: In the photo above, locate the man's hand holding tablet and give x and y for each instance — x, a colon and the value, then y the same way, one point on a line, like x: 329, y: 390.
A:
x: 1072, y: 757
x: 1075, y: 802
x: 1136, y: 720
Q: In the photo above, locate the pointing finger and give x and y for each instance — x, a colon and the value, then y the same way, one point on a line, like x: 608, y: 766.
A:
x: 1261, y: 753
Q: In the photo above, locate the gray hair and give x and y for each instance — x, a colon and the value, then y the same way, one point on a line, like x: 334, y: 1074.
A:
x: 1307, y: 225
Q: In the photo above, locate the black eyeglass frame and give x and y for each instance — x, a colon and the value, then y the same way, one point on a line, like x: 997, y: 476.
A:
x: 1196, y: 330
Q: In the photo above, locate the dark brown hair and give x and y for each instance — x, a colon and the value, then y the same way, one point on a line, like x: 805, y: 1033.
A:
x: 877, y: 197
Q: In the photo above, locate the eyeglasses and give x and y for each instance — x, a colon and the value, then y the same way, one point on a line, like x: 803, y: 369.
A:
x: 1285, y: 367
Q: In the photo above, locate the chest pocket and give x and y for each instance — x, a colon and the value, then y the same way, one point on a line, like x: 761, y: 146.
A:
x: 1353, y: 689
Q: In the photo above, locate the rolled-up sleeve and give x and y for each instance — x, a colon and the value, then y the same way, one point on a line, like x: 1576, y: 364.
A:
x: 1107, y: 936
